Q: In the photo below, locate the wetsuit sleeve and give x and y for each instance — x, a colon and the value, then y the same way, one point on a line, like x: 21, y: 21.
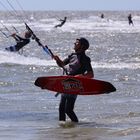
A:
x: 67, y: 60
x: 18, y: 38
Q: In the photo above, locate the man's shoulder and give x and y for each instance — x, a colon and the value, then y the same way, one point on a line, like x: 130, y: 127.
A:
x: 85, y: 58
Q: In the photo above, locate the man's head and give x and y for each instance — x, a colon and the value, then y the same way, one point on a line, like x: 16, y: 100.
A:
x: 28, y: 34
x: 81, y: 44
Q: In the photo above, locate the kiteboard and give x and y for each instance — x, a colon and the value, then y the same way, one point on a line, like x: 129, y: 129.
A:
x: 74, y: 85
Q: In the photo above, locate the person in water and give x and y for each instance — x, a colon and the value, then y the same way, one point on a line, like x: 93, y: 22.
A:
x: 79, y: 64
x: 20, y: 41
x: 130, y: 21
x: 102, y: 16
x: 62, y: 22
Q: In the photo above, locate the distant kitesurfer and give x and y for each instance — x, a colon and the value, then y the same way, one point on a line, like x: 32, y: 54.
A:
x: 79, y: 64
x: 21, y: 42
x: 62, y: 22
x: 130, y: 21
x: 102, y: 16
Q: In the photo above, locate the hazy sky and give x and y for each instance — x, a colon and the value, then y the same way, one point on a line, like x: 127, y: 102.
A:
x: 75, y: 4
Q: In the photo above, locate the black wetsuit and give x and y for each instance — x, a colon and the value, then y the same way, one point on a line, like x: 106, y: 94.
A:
x: 130, y: 20
x: 79, y: 63
x: 21, y: 42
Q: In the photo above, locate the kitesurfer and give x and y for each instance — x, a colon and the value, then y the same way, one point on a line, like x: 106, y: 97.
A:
x: 79, y: 64
x: 62, y: 22
x: 20, y: 41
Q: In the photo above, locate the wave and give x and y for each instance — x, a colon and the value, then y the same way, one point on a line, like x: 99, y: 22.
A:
x: 14, y: 58
x: 90, y: 24
x: 120, y: 65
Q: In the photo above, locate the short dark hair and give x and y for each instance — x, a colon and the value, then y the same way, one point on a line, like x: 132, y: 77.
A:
x: 28, y: 34
x: 84, y: 42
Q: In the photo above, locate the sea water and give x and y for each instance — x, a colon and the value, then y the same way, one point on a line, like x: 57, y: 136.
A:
x: 30, y: 113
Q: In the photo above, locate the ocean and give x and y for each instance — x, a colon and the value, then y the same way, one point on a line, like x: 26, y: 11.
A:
x: 30, y: 113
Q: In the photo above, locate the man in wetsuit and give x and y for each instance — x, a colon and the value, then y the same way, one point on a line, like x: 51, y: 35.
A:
x: 62, y: 22
x: 21, y: 42
x: 79, y: 64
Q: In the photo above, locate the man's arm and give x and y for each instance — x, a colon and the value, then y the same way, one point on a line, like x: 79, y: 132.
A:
x: 58, y: 61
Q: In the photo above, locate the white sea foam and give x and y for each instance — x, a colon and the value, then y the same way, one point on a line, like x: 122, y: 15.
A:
x: 92, y: 23
x: 14, y: 58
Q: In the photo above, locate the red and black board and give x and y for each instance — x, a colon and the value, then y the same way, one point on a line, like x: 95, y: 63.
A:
x: 74, y: 85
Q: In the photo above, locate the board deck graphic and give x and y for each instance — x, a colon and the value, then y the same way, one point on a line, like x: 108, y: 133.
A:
x: 74, y: 85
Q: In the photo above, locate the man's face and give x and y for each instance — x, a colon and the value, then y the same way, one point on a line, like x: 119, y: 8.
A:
x: 77, y: 46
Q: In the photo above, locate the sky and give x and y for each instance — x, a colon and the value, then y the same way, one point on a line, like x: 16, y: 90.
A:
x: 73, y: 4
